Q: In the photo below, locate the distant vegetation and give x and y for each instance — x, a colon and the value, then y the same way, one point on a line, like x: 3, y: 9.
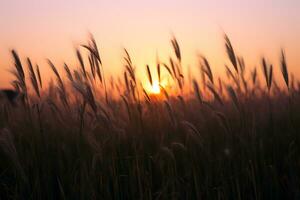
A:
x: 85, y: 136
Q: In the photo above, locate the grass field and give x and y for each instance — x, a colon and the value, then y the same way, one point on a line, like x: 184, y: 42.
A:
x: 85, y: 136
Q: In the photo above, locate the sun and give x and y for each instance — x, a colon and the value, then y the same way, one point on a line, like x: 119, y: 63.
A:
x: 155, y: 88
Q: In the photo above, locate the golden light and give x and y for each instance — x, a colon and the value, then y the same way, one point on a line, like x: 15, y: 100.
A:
x: 155, y: 88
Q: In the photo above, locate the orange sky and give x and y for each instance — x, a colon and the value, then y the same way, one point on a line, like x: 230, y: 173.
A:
x: 51, y: 29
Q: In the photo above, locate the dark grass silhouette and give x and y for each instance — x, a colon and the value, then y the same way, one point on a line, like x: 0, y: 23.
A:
x: 82, y: 138
x: 10, y: 95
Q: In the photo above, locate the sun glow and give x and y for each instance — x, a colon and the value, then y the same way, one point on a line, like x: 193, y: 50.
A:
x: 155, y: 88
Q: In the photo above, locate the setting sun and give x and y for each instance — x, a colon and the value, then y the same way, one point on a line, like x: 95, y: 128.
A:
x: 155, y: 89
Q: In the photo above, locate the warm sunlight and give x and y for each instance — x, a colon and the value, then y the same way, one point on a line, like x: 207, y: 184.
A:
x: 155, y: 88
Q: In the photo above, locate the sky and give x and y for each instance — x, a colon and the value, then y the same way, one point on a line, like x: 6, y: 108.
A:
x: 42, y: 29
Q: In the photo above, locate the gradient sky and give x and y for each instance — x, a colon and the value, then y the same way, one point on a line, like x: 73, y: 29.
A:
x: 51, y: 29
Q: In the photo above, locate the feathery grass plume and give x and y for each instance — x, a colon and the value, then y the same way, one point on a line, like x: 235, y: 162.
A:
x: 146, y: 95
x: 176, y: 48
x: 92, y: 66
x: 292, y: 85
x: 77, y: 76
x: 80, y: 59
x: 130, y: 72
x: 179, y: 71
x: 149, y: 75
x: 19, y: 73
x: 268, y: 73
x: 95, y: 48
x: 270, y: 76
x: 90, y: 98
x: 61, y: 87
x: 126, y: 81
x: 265, y: 70
x: 18, y: 64
x: 52, y: 66
x: 178, y: 146
x: 197, y: 91
x: 173, y: 68
x: 15, y: 84
x: 158, y: 72
x: 104, y: 114
x: 276, y: 87
x: 98, y: 70
x: 242, y: 65
x: 233, y: 97
x: 167, y: 153
x: 17, y: 81
x: 54, y: 108
x: 180, y: 81
x: 39, y: 75
x: 51, y: 90
x: 182, y: 102
x: 164, y: 92
x: 119, y: 85
x: 230, y: 52
x: 86, y: 92
x: 220, y: 85
x: 61, y: 189
x: 171, y: 113
x: 129, y: 66
x: 90, y: 79
x: 127, y: 58
x: 92, y: 47
x: 60, y: 82
x: 132, y: 88
x: 68, y: 72
x: 168, y: 69
x: 203, y: 78
x: 284, y: 69
x: 215, y: 93
x: 230, y: 74
x: 193, y: 128
x: 127, y: 106
x: 33, y: 78
x: 254, y: 76
x: 223, y: 120
x: 79, y: 84
x: 205, y: 67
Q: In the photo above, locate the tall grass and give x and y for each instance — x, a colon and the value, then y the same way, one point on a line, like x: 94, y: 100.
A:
x: 80, y: 138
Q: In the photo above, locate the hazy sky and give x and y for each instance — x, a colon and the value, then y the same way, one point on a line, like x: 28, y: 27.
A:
x: 51, y: 29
